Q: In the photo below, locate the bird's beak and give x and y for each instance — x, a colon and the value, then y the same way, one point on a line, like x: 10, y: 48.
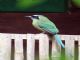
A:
x: 28, y: 16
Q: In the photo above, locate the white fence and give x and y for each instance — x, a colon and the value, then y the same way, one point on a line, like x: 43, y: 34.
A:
x: 5, y: 46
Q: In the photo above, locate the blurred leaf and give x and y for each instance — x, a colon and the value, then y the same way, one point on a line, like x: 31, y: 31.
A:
x: 22, y: 4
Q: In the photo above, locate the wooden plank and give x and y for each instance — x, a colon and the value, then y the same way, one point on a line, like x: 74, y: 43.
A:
x: 69, y: 47
x: 76, y: 37
x: 5, y: 47
x: 56, y: 50
x: 43, y: 47
x: 36, y: 35
x: 18, y: 47
x: 30, y: 47
x: 23, y: 36
x: 79, y: 47
x: 63, y: 37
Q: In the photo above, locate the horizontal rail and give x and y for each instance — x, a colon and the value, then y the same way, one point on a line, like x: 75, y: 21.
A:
x: 24, y: 36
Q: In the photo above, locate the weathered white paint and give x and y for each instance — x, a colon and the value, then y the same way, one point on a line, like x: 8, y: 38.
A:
x: 69, y: 47
x: 56, y: 50
x: 18, y: 47
x: 43, y: 47
x: 5, y: 47
x: 30, y: 47
x: 79, y: 48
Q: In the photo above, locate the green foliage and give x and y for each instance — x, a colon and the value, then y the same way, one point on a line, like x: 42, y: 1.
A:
x: 63, y: 57
x: 76, y: 2
x: 25, y: 4
x: 33, y: 5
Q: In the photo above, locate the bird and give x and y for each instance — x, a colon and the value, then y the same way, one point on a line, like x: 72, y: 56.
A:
x: 44, y: 24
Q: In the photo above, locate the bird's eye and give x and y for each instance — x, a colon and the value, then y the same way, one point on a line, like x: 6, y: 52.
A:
x: 36, y: 17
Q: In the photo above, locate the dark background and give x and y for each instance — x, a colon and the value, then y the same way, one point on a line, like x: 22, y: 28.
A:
x: 12, y: 22
x: 17, y: 23
x: 47, y: 6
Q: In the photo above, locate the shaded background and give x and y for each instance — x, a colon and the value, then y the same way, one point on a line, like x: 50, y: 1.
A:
x: 17, y: 23
x: 34, y: 5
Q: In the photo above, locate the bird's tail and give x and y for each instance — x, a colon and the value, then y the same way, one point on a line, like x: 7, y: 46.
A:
x: 58, y: 39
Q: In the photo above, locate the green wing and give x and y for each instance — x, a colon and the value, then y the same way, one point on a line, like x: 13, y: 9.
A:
x: 48, y: 27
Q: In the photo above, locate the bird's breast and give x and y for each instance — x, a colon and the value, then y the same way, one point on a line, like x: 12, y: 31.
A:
x: 35, y: 24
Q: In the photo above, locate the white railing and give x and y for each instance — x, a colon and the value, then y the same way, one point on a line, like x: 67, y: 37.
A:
x: 5, y: 46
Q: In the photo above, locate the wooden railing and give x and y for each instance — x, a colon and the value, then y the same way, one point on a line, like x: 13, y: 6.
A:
x: 5, y: 46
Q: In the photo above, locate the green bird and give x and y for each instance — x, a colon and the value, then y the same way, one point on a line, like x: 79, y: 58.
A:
x: 42, y: 23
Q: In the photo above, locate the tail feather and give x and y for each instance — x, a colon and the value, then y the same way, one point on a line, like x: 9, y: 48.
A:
x: 58, y: 39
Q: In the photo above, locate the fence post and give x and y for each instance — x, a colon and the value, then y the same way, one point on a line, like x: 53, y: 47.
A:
x: 18, y: 47
x: 30, y: 47
x: 43, y: 47
x: 69, y: 47
x: 56, y: 50
x: 5, y: 47
x: 79, y: 47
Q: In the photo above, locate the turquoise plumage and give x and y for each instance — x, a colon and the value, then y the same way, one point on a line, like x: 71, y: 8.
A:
x: 58, y: 39
x: 44, y: 24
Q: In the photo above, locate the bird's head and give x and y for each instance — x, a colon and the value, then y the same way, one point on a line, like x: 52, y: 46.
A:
x: 35, y: 17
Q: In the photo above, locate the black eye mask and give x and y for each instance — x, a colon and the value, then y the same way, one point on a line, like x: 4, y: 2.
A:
x: 36, y: 17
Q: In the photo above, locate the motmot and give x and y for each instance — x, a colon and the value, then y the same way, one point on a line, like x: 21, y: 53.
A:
x: 43, y: 23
